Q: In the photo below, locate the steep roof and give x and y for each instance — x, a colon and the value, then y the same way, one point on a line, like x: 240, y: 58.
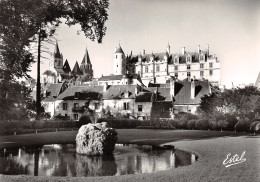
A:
x: 118, y: 91
x: 76, y: 69
x: 163, y: 94
x: 183, y: 97
x: 86, y: 59
x: 257, y: 83
x: 66, y: 67
x: 57, y: 53
x: 119, y: 50
x: 49, y: 73
x: 112, y: 77
x: 86, y: 92
x: 53, y: 91
x: 144, y: 97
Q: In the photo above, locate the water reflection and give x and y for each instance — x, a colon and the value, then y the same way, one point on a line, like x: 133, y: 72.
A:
x: 62, y: 160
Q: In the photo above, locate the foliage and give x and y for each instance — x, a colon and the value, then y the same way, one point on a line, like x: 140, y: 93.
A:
x: 243, y: 125
x: 84, y: 119
x: 191, y: 124
x: 255, y: 126
x: 121, y: 123
x: 202, y: 124
x: 222, y: 124
x: 239, y: 102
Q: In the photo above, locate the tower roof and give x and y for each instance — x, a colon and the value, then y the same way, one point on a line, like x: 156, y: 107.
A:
x: 119, y: 50
x: 57, y: 53
x: 86, y: 59
x: 76, y: 69
x: 66, y: 67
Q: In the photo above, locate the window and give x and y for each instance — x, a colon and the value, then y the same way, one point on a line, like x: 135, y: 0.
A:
x: 116, y: 56
x: 201, y: 66
x: 176, y: 68
x: 76, y: 105
x: 188, y: 74
x: 176, y: 75
x: 76, y: 117
x: 202, y: 73
x: 210, y: 72
x: 157, y: 68
x: 76, y: 96
x: 65, y: 106
x: 176, y: 60
x: 188, y: 67
x: 211, y: 65
x: 126, y: 106
x: 188, y: 59
x: 140, y: 108
x: 201, y: 57
x: 146, y: 69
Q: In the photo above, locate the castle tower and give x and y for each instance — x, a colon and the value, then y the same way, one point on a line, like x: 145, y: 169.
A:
x: 86, y: 66
x: 58, y: 58
x: 76, y: 70
x: 119, y: 61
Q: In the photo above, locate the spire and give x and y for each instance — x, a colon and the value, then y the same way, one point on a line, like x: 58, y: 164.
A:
x: 66, y: 67
x: 57, y: 53
x: 76, y: 69
x: 86, y: 59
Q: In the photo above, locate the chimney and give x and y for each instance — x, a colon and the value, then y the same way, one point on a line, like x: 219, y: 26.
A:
x: 168, y: 48
x: 208, y: 49
x: 143, y: 52
x: 198, y: 48
x: 192, y: 89
x: 105, y: 87
x: 172, y: 85
x: 183, y: 50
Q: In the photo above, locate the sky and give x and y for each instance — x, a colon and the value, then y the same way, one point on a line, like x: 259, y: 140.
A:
x: 230, y: 27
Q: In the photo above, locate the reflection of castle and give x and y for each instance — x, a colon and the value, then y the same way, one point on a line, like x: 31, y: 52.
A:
x: 59, y: 72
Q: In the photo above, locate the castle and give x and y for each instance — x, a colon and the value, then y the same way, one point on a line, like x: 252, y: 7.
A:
x: 156, y: 68
x: 59, y: 72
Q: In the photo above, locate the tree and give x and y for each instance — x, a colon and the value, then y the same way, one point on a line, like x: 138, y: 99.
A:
x: 239, y: 101
x: 24, y: 21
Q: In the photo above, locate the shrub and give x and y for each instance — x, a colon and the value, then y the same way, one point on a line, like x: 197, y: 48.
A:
x: 243, y: 125
x: 254, y: 127
x: 84, y: 119
x: 121, y: 122
x: 213, y: 124
x: 181, y: 124
x: 202, y: 124
x: 222, y: 124
x: 231, y: 120
x: 191, y: 124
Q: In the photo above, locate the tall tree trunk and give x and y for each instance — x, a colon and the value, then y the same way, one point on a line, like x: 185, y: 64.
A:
x: 38, y: 95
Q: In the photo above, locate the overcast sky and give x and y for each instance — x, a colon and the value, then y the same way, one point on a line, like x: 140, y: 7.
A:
x: 230, y: 27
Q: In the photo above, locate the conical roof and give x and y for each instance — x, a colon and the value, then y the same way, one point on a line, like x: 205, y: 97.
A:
x: 76, y: 69
x: 57, y: 53
x: 86, y: 59
x: 66, y: 67
x: 119, y: 50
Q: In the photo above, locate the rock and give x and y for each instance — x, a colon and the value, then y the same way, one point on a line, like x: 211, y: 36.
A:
x: 96, y: 139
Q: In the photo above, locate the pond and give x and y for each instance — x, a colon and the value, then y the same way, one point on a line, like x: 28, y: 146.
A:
x: 62, y: 160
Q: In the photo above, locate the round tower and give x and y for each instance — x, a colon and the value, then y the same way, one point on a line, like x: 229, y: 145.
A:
x: 119, y: 61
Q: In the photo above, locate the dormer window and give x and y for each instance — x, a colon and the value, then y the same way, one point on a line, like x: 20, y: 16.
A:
x: 188, y: 59
x: 176, y: 60
x: 188, y: 66
x: 201, y: 57
x: 76, y: 96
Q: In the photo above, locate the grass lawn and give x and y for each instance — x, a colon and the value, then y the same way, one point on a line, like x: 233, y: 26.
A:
x: 212, y: 147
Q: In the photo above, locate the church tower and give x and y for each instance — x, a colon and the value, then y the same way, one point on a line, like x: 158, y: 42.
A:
x: 86, y: 66
x: 119, y: 61
x: 58, y: 58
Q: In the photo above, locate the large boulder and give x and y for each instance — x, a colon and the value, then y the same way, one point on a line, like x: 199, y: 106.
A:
x: 96, y: 139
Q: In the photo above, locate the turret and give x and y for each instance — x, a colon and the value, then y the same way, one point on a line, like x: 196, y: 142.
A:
x: 119, y: 61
